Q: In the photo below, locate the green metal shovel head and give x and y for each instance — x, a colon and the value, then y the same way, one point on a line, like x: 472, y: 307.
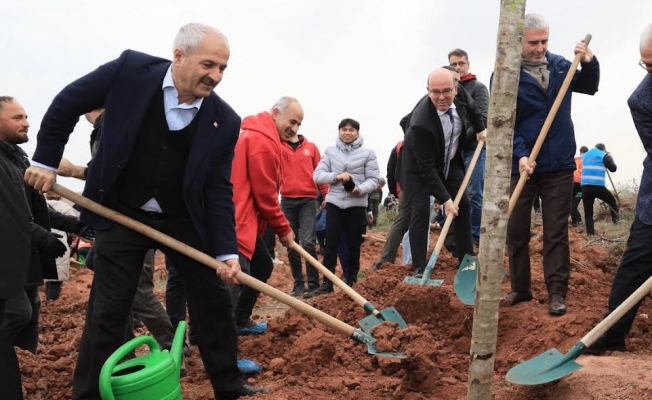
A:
x: 389, y: 314
x: 417, y: 281
x: 547, y: 367
x: 466, y: 279
x: 369, y: 340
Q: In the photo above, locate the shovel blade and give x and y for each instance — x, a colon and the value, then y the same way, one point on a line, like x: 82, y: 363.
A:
x: 547, y: 367
x: 417, y: 281
x: 465, y: 280
x: 371, y: 349
x: 389, y: 314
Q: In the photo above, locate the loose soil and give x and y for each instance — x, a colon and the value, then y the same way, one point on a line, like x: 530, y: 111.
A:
x: 303, y: 359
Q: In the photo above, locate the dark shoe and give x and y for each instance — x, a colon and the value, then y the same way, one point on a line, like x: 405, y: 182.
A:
x: 298, y: 291
x: 244, y: 390
x: 557, y: 305
x: 513, y: 298
x: 606, y: 343
x: 326, y: 288
x: 377, y: 266
x: 418, y: 273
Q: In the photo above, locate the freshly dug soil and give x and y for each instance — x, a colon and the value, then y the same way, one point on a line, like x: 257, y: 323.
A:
x: 304, y: 359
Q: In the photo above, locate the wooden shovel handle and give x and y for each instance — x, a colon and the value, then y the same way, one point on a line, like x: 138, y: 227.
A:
x: 614, y: 187
x: 458, y: 197
x: 546, y: 126
x: 331, y: 276
x: 621, y: 310
x: 203, y: 258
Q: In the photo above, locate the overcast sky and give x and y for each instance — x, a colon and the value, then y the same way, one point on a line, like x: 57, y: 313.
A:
x: 365, y: 59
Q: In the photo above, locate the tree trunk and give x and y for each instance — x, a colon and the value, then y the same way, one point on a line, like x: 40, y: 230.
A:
x: 501, y: 116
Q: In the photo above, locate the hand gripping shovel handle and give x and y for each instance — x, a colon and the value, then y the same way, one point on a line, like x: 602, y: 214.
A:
x: 546, y: 126
x: 205, y: 259
x: 333, y: 278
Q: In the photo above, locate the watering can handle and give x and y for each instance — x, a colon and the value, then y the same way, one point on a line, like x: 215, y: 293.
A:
x: 106, y: 390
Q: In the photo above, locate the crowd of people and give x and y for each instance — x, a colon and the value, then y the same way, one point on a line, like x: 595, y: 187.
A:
x: 167, y: 151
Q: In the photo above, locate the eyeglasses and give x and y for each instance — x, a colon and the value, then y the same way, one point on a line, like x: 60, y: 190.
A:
x: 438, y: 93
x: 645, y: 66
x: 459, y: 63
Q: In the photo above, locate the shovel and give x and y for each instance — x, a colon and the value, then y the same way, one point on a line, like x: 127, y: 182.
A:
x: 342, y: 327
x: 425, y: 280
x: 374, y: 316
x: 467, y: 275
x: 553, y: 365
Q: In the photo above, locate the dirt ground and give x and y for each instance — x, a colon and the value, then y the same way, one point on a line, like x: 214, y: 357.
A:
x: 303, y: 359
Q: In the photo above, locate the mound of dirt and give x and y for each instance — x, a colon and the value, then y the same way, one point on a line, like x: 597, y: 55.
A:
x: 302, y: 358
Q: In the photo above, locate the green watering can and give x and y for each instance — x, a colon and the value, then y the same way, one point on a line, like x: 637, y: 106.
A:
x: 153, y: 376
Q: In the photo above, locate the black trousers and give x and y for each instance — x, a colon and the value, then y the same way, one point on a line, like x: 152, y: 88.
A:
x: 555, y: 189
x: 21, y: 322
x: 589, y: 194
x: 120, y: 253
x: 576, y: 217
x: 260, y: 267
x: 175, y: 300
x: 420, y: 220
x: 352, y: 222
x: 301, y: 215
x: 635, y: 268
x: 10, y: 385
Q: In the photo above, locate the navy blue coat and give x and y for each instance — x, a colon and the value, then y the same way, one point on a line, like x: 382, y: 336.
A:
x: 640, y: 105
x: 125, y: 87
x: 533, y: 105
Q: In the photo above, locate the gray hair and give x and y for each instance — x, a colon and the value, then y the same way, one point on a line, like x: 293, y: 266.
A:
x: 190, y: 36
x: 283, y: 103
x: 646, y: 37
x: 5, y: 100
x: 535, y: 21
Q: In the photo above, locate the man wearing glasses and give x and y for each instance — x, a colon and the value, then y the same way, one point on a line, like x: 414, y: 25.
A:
x: 432, y: 163
x: 542, y: 75
x: 636, y: 266
x: 459, y: 59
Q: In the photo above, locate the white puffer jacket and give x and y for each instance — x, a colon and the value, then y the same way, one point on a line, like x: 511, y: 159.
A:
x: 358, y: 161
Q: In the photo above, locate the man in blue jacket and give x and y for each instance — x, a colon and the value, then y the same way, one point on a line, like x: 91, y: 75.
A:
x: 542, y: 75
x: 164, y: 159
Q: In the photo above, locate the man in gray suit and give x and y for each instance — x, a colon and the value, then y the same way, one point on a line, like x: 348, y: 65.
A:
x: 636, y: 265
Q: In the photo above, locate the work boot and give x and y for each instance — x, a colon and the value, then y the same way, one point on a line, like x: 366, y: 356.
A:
x: 298, y: 291
x: 557, y: 305
x: 513, y: 298
x: 418, y: 272
x: 326, y: 288
x: 606, y: 342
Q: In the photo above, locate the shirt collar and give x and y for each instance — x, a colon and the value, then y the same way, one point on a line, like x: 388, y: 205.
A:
x: 168, y: 87
x: 440, y: 113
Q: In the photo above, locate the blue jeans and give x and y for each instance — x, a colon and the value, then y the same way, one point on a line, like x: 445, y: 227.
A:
x: 475, y: 191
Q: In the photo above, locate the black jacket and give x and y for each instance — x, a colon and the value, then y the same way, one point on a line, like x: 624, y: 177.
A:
x: 422, y: 157
x: 477, y: 91
x: 15, y: 240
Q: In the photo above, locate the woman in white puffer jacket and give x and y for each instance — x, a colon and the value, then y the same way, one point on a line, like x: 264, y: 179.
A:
x: 351, y: 170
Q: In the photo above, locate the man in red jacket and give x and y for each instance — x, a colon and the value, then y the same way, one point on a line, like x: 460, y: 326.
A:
x: 299, y: 158
x: 256, y: 176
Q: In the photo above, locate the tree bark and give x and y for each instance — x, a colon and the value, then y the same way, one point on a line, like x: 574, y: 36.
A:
x: 501, y: 117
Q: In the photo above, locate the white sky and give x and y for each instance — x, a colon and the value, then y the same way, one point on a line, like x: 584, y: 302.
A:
x: 364, y: 59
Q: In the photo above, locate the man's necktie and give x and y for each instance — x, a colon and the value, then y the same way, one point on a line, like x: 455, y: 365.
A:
x: 447, y: 161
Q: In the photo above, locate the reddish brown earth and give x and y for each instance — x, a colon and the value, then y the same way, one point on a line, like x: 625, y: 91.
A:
x: 303, y: 359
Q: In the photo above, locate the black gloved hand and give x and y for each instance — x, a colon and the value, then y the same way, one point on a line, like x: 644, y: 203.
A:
x: 87, y: 233
x: 51, y: 246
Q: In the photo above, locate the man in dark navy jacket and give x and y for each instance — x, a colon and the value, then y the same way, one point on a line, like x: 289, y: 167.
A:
x: 165, y: 160
x: 542, y: 75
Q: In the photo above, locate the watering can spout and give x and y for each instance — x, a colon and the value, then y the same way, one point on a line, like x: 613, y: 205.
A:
x: 177, y: 344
